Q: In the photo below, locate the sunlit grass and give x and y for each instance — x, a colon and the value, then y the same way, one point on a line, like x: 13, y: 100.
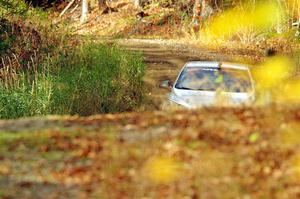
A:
x: 293, y: 6
x: 275, y: 82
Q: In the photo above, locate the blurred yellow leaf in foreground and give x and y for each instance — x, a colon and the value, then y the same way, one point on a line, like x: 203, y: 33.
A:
x: 162, y: 169
x: 259, y: 17
x: 4, y: 170
x: 226, y: 24
x: 266, y: 15
x: 272, y: 72
x: 290, y: 92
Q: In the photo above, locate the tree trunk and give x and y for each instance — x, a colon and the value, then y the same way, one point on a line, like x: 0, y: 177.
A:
x: 84, y: 11
x: 197, y: 14
x: 137, y: 3
x: 202, y: 11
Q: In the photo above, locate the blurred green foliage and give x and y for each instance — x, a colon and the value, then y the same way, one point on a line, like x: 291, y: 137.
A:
x: 12, y: 8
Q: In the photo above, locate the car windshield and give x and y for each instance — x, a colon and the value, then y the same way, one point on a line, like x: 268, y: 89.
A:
x: 213, y: 79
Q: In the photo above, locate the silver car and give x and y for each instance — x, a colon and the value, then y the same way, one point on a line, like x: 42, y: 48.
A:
x: 206, y: 83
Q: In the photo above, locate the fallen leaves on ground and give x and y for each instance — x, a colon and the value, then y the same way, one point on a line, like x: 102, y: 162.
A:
x: 209, y: 153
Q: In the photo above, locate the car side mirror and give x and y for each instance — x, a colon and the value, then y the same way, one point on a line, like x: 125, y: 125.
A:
x: 166, y: 84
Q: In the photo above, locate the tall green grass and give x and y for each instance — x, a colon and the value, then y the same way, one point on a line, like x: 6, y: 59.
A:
x: 96, y: 78
x: 28, y: 95
x: 90, y: 79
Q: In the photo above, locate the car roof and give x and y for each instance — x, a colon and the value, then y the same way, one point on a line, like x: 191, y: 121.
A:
x: 215, y: 64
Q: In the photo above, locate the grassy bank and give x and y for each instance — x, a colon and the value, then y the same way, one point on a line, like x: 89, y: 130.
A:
x: 89, y: 79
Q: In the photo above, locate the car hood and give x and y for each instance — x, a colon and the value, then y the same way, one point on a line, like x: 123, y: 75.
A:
x: 196, y: 99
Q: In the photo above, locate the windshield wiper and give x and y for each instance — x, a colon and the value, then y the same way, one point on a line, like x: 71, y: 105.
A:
x: 184, y: 88
x: 201, y: 89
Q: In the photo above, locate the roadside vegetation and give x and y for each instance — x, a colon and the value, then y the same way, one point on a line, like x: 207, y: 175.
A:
x: 43, y: 73
x: 91, y: 79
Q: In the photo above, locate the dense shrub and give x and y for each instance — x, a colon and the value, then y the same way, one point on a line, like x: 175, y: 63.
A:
x: 18, y: 40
